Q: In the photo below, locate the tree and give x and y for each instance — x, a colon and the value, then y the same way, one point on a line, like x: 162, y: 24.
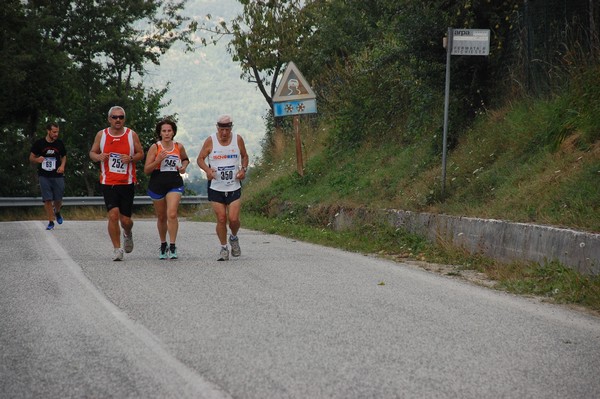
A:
x: 71, y: 60
x: 32, y: 66
x: 264, y: 37
x: 32, y: 77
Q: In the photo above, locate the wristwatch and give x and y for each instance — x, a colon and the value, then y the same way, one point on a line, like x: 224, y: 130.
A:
x: 245, y: 168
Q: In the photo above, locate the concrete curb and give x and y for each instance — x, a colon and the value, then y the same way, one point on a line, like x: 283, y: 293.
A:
x: 497, y: 239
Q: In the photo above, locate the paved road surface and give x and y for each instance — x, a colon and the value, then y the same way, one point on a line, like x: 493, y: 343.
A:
x: 285, y: 320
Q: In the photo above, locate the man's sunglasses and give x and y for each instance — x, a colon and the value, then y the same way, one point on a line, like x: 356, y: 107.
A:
x: 118, y: 116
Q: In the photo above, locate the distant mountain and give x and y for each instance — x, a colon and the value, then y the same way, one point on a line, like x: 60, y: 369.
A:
x: 205, y: 84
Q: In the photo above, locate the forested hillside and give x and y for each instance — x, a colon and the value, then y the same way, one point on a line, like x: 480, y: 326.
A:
x: 523, y: 136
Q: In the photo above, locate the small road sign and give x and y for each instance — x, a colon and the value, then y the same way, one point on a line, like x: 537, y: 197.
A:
x: 294, y: 97
x: 293, y: 86
x: 470, y: 42
x: 462, y: 42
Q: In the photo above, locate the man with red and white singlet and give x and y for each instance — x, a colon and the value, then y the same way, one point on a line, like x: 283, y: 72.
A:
x: 118, y: 148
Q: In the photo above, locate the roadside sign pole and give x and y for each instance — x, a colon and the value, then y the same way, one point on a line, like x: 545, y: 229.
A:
x: 299, y: 163
x: 446, y: 107
x: 460, y: 42
x: 294, y: 97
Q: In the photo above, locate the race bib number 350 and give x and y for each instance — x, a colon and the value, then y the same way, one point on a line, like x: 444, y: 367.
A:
x: 226, y: 174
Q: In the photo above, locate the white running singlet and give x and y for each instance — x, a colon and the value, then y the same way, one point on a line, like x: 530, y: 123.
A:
x: 225, y: 160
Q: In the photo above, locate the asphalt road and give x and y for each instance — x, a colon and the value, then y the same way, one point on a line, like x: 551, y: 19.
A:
x: 285, y: 320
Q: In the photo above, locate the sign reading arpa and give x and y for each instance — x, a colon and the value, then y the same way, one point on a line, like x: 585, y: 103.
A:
x: 470, y: 42
x: 294, y: 95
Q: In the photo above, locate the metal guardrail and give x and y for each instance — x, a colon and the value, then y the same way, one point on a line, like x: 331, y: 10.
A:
x: 13, y: 202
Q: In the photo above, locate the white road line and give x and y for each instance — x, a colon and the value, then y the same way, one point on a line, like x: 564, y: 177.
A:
x: 200, y: 387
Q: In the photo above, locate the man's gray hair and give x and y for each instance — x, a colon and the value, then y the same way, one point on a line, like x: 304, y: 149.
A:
x: 110, y: 111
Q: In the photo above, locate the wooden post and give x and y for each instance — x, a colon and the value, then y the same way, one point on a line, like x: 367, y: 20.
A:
x: 299, y: 162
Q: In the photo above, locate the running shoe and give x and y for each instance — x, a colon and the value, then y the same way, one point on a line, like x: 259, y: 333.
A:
x: 50, y: 226
x: 59, y: 218
x: 224, y: 254
x: 234, y: 241
x: 128, y: 242
x: 163, y: 251
x: 172, y: 252
x: 118, y: 254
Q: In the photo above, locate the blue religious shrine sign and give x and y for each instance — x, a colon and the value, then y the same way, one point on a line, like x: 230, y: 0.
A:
x: 294, y: 95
